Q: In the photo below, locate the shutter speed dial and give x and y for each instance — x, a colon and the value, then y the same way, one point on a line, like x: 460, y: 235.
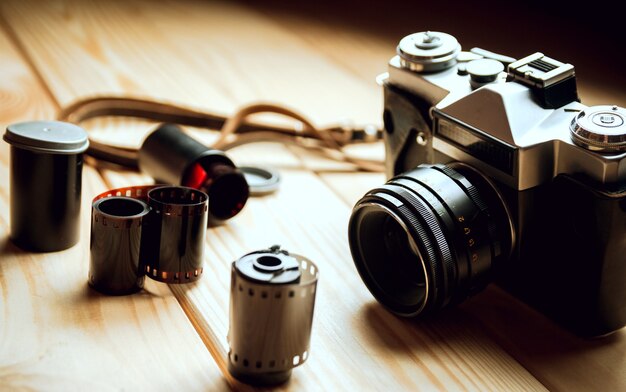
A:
x: 600, y: 128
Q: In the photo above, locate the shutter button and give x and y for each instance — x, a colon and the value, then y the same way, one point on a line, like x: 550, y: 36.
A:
x: 483, y: 71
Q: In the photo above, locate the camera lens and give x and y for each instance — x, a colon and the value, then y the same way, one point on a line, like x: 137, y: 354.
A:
x: 430, y: 237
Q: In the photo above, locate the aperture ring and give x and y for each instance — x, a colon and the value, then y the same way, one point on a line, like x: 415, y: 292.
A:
x: 461, y: 199
x: 493, y: 242
x: 449, y: 216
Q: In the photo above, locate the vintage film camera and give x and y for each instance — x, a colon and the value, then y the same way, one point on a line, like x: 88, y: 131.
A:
x: 517, y: 182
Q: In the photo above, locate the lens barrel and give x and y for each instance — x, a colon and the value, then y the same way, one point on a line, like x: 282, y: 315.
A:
x: 430, y: 237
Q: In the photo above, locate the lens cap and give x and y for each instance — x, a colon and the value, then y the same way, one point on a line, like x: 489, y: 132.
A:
x: 261, y: 181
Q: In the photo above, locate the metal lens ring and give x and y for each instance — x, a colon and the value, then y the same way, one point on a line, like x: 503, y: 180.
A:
x: 448, y: 237
x: 428, y: 51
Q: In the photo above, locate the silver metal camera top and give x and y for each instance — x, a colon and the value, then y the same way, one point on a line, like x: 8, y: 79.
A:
x: 428, y: 51
x: 509, y: 115
x: 600, y: 128
x: 483, y: 71
x: 539, y: 70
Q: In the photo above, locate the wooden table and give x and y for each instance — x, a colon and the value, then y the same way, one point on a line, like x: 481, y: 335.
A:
x: 57, y: 334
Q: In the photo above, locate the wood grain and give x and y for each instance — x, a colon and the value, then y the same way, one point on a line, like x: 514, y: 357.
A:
x: 355, y: 343
x: 197, y: 62
x: 55, y: 332
x: 217, y: 56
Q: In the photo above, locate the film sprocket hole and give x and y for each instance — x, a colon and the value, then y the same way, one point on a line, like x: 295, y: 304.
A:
x: 152, y: 230
x: 497, y: 173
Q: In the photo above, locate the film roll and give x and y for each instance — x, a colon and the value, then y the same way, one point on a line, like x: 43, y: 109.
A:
x: 165, y: 240
x: 176, y: 230
x: 272, y: 298
x: 116, y: 229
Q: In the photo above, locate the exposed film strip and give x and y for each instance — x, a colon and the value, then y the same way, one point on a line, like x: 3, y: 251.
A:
x: 176, y: 230
x: 149, y: 230
x: 116, y: 234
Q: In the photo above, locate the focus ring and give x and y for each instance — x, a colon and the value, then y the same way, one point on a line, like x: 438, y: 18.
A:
x: 465, y: 184
x: 443, y: 248
x: 416, y: 225
x: 425, y: 210
x: 434, y: 225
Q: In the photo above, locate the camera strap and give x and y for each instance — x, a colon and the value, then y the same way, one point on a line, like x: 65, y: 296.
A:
x: 234, y: 131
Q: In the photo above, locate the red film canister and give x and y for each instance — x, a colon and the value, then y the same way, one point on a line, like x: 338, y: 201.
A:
x: 171, y: 156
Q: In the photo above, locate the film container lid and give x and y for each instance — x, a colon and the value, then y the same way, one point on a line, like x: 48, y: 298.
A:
x: 53, y: 137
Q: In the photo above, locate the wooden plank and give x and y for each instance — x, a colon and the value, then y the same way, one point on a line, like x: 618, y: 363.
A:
x: 355, y: 343
x: 55, y: 332
x: 214, y: 57
x: 560, y: 360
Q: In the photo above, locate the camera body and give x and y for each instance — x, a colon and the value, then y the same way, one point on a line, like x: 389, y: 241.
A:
x: 559, y: 166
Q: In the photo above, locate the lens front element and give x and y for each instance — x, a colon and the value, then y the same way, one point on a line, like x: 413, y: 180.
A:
x: 429, y: 237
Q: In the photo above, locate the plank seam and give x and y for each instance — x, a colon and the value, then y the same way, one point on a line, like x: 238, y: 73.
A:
x: 23, y: 52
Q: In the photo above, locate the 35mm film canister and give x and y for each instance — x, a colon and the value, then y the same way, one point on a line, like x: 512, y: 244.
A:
x: 116, y: 229
x: 272, y: 297
x: 171, y: 156
x: 46, y: 170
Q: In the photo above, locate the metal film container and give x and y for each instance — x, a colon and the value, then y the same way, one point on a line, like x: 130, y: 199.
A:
x: 272, y: 297
x: 46, y: 172
x: 173, y: 157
